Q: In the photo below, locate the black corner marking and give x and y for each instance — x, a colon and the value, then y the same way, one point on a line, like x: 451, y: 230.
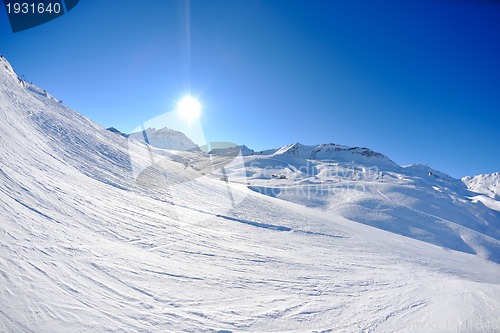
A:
x: 70, y: 4
x: 26, y: 14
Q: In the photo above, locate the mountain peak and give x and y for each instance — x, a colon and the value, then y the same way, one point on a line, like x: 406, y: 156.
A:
x: 332, y: 151
x: 291, y: 149
x: 233, y: 151
x: 488, y: 184
x: 165, y: 138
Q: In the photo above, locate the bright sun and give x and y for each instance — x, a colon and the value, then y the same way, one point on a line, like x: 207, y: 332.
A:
x: 189, y: 108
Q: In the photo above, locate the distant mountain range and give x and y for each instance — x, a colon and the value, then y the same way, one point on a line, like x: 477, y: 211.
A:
x: 165, y: 138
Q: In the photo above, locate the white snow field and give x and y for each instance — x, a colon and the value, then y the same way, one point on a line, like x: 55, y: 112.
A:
x: 86, y: 246
x: 488, y: 184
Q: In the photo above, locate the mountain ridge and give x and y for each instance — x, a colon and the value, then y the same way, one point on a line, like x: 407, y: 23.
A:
x: 165, y: 138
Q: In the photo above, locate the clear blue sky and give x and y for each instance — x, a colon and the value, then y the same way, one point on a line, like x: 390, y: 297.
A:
x: 416, y: 80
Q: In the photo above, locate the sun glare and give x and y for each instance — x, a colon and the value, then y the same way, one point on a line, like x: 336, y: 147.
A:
x: 189, y: 108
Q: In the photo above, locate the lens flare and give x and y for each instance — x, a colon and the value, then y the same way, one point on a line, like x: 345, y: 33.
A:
x: 189, y: 108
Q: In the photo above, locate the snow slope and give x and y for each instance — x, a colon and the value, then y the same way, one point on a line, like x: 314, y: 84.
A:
x: 86, y: 246
x: 488, y: 184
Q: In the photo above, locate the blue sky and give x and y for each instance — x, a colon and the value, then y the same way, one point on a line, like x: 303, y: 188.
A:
x: 416, y: 80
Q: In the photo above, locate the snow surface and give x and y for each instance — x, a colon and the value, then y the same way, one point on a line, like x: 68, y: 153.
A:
x: 488, y: 184
x: 89, y: 245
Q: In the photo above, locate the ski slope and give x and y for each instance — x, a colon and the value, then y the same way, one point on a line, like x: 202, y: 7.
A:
x: 87, y: 246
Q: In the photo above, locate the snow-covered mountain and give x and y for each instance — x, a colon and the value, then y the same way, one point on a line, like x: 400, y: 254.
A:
x: 165, y: 138
x: 233, y: 151
x: 367, y: 187
x: 488, y: 184
x: 328, y: 151
x: 88, y: 245
x: 331, y: 151
x: 114, y: 130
